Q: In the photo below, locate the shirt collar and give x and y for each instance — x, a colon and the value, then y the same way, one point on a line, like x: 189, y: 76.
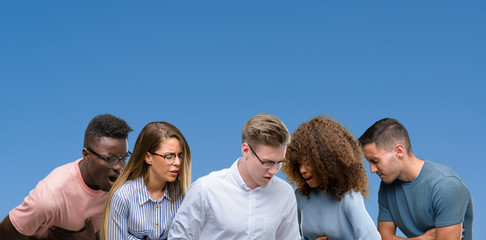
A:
x: 143, y: 195
x: 237, y: 176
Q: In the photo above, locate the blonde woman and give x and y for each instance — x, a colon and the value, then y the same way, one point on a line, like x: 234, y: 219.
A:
x: 144, y: 199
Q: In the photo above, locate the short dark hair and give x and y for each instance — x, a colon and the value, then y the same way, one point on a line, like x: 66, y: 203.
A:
x: 105, y: 125
x: 386, y: 133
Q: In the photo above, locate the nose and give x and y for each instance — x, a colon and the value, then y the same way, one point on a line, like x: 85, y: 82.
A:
x: 177, y: 161
x: 118, y: 166
x: 373, y: 168
x: 273, y: 169
x: 303, y: 169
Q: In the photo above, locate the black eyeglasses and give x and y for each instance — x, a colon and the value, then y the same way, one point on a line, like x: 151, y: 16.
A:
x: 169, y: 158
x: 112, y: 160
x: 269, y: 164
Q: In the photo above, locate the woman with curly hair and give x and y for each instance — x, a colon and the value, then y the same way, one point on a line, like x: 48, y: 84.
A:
x: 325, y: 163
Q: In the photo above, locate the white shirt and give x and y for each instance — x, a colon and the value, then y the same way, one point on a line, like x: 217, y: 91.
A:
x: 221, y: 206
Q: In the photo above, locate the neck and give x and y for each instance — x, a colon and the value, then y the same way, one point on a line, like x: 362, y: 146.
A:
x: 86, y: 176
x: 155, y: 188
x: 245, y: 175
x: 412, y: 168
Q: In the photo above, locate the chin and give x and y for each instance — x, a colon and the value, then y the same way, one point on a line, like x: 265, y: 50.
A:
x: 106, y: 188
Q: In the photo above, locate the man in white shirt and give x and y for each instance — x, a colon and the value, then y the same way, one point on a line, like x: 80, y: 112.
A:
x: 247, y: 200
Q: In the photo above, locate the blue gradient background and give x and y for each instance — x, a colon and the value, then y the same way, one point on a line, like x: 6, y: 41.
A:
x: 208, y: 66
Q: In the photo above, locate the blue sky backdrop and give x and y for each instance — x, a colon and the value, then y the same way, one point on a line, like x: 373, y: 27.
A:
x: 208, y: 66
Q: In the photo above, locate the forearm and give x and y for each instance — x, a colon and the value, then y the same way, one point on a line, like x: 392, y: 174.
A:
x: 429, y: 235
x: 8, y: 231
x: 387, y: 231
x: 394, y: 237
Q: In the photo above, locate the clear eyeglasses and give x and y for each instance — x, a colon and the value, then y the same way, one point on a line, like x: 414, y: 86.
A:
x: 267, y: 164
x: 169, y: 158
x: 112, y: 160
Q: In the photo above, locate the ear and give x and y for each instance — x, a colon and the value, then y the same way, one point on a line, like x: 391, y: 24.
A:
x: 244, y: 149
x: 85, y: 154
x: 399, y: 151
x: 148, y: 159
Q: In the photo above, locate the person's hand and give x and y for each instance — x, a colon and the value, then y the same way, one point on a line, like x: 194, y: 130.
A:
x: 322, y: 238
x: 87, y: 233
x: 431, y: 234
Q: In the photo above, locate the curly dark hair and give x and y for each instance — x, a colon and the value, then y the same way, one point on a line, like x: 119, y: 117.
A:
x: 105, y: 125
x: 332, y: 153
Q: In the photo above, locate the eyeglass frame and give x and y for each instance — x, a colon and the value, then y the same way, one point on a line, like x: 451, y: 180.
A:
x: 268, y: 164
x: 180, y: 156
x: 112, y: 163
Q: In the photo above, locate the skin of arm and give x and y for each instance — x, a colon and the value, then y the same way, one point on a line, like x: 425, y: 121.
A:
x: 8, y: 231
x: 453, y: 232
x: 87, y: 233
x: 388, y: 231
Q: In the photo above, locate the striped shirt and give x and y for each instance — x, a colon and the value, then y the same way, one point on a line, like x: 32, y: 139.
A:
x: 134, y: 214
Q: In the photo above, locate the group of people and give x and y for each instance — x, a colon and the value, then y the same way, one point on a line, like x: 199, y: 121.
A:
x: 112, y: 193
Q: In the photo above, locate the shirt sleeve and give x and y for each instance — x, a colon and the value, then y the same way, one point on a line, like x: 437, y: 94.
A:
x: 191, y: 215
x: 289, y: 228
x: 118, y: 217
x: 363, y: 226
x: 299, y: 219
x: 450, y: 200
x: 384, y: 211
x: 38, y: 209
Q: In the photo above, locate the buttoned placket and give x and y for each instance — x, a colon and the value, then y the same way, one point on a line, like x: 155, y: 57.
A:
x: 157, y: 218
x: 252, y: 220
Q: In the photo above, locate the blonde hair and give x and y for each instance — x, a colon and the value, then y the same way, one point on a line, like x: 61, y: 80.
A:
x: 265, y: 129
x: 149, y: 140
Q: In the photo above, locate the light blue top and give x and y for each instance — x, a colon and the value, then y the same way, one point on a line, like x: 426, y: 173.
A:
x: 436, y: 198
x: 323, y: 215
x: 134, y: 214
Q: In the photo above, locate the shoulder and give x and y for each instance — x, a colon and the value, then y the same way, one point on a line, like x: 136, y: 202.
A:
x: 216, y: 175
x: 451, y: 184
x: 129, y: 189
x: 299, y: 195
x: 215, y: 179
x: 435, y: 175
x: 197, y: 187
x: 352, y: 195
x: 351, y: 198
x: 277, y: 186
x: 437, y: 170
x: 282, y: 184
x: 50, y: 190
x: 63, y: 176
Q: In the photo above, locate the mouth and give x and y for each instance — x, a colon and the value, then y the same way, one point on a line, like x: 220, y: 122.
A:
x: 268, y: 179
x: 174, y: 173
x: 112, y: 179
x: 308, y: 179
